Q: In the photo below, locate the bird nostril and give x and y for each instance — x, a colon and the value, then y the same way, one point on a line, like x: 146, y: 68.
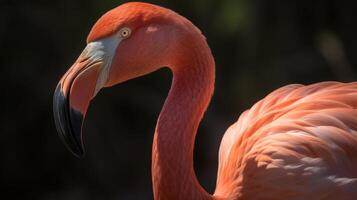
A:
x: 83, y: 58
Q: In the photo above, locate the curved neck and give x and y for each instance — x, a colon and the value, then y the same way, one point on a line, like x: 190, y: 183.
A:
x: 172, y: 159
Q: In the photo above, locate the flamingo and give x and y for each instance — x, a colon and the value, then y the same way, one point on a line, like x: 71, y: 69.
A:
x: 299, y: 142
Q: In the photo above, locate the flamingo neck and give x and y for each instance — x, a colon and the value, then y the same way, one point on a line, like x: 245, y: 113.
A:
x: 172, y: 159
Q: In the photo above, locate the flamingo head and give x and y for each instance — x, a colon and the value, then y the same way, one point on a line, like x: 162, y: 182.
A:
x: 129, y: 41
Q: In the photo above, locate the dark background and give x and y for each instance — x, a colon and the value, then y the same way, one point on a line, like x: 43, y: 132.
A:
x: 258, y: 47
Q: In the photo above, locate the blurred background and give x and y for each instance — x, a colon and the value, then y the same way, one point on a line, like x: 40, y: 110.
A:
x: 258, y: 47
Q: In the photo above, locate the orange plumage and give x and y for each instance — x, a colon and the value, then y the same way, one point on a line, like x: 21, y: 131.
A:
x: 299, y: 142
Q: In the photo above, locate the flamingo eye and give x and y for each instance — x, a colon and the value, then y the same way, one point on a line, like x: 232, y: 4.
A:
x: 125, y: 32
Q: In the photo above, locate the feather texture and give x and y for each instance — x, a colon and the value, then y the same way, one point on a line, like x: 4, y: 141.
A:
x: 299, y: 142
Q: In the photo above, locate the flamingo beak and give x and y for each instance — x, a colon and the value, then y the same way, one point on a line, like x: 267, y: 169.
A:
x: 71, y: 100
x: 78, y: 87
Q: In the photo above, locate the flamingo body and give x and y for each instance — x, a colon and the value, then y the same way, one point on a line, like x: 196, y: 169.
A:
x: 299, y: 142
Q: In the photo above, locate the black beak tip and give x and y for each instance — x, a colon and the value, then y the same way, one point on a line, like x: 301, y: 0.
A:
x: 68, y: 123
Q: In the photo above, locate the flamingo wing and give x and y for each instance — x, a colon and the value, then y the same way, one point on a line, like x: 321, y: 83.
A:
x: 299, y: 142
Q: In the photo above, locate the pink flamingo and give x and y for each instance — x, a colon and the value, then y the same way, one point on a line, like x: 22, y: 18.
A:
x: 299, y: 142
